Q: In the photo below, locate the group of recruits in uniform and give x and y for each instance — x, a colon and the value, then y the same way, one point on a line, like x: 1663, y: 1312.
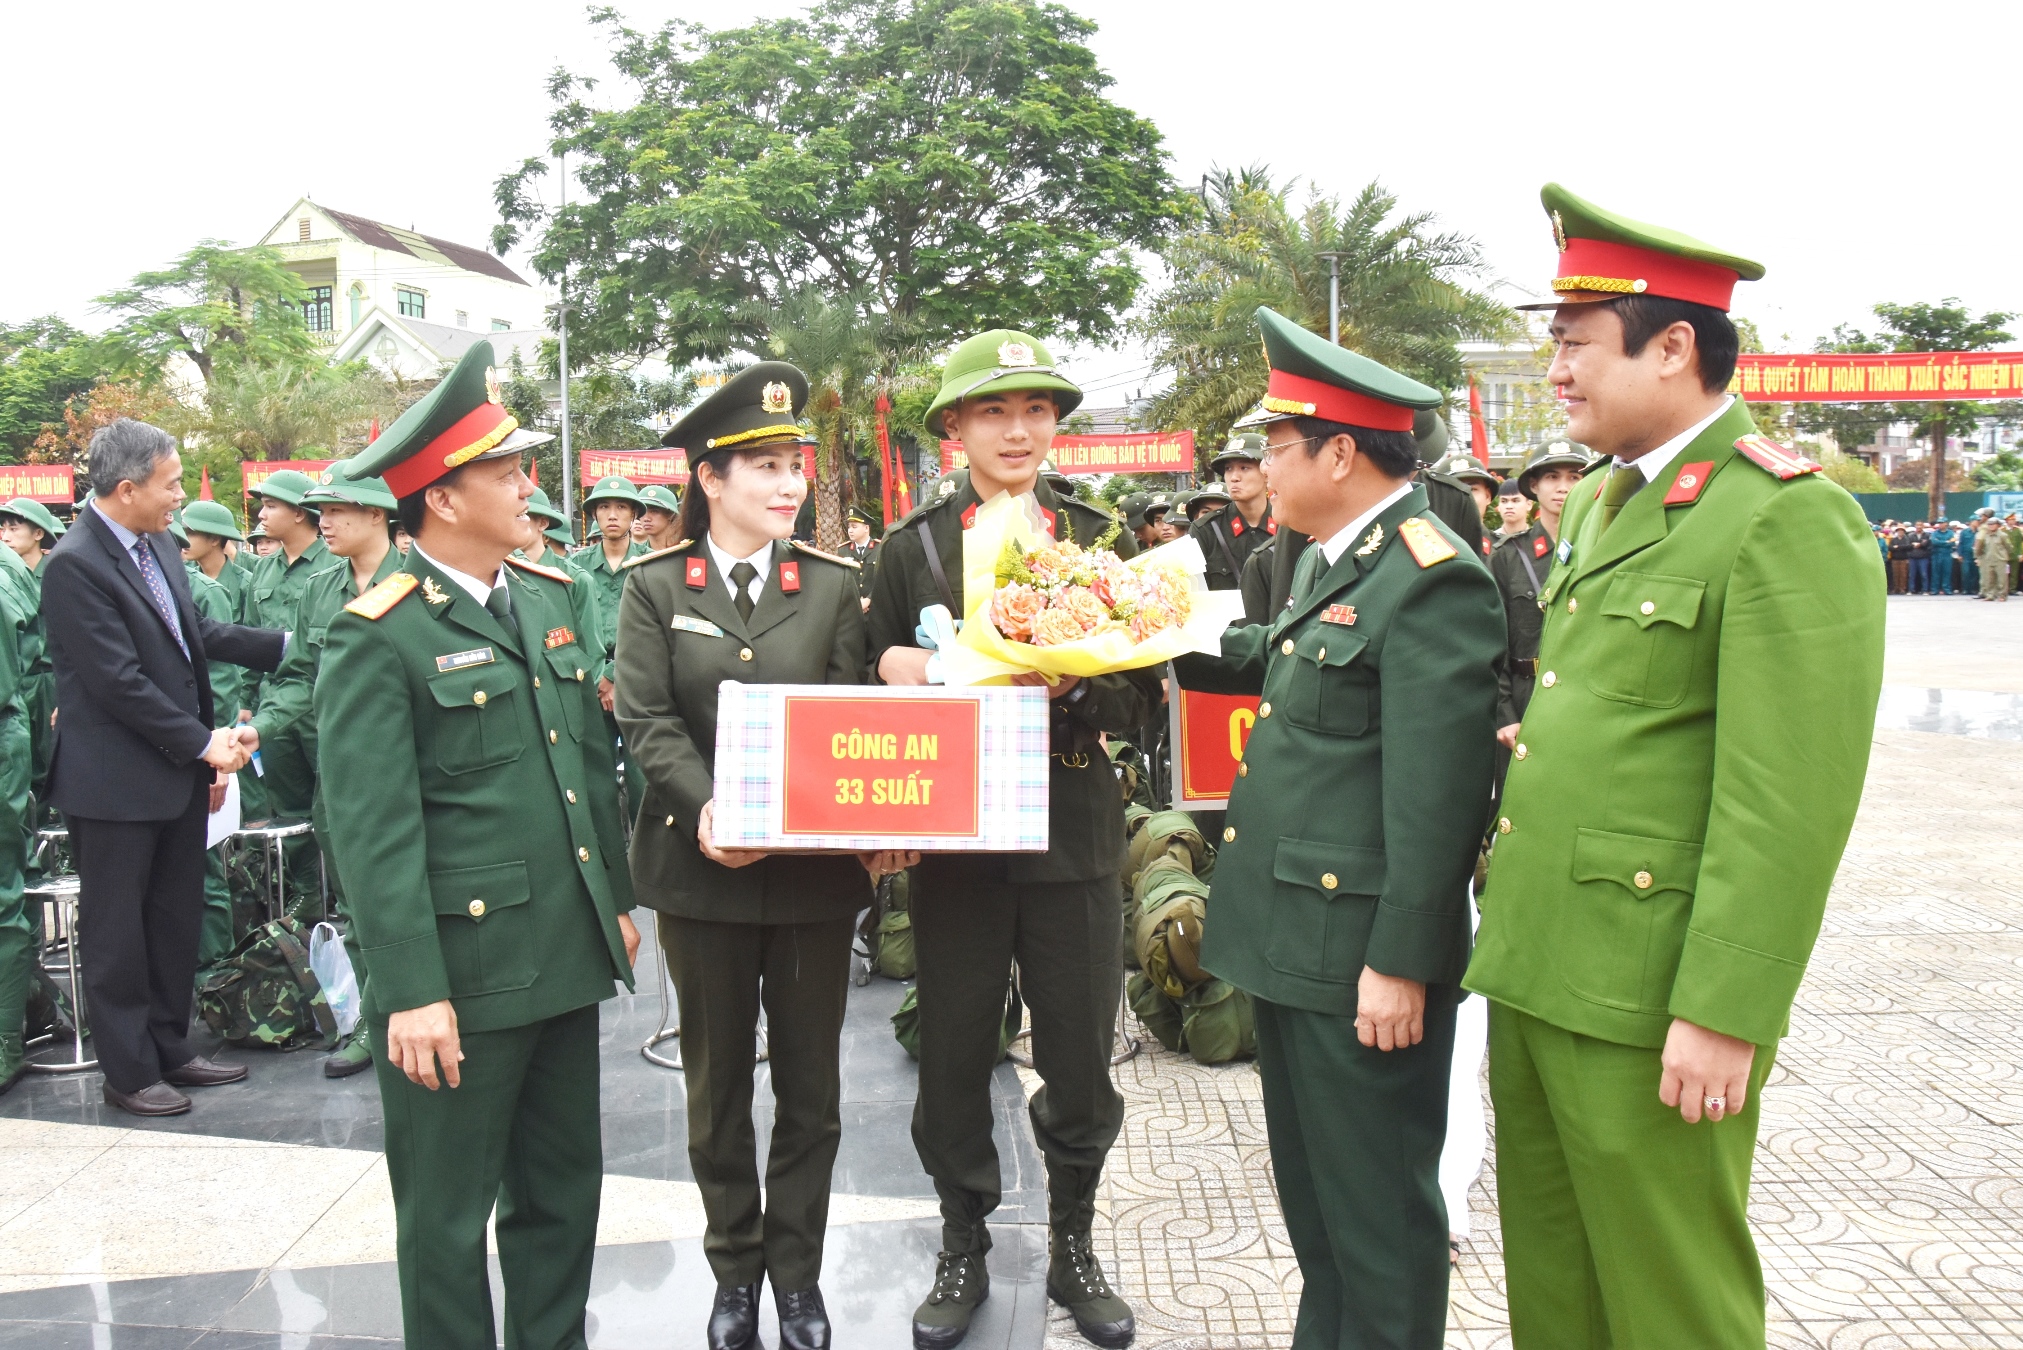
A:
x: 1662, y: 848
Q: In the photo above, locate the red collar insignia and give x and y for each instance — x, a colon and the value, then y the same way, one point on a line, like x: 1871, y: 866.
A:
x: 1271, y: 527
x: 1236, y: 527
x: 698, y: 573
x: 969, y: 519
x: 1686, y: 487
x: 1541, y: 546
x: 969, y: 515
x: 790, y: 576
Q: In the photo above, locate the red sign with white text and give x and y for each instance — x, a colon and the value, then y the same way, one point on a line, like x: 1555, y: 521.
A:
x: 1209, y: 734
x: 1835, y: 377
x: 881, y: 766
x: 1150, y: 452
x: 50, y: 484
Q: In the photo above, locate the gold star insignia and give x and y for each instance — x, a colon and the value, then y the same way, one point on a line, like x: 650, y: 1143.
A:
x: 432, y: 592
x: 1372, y: 543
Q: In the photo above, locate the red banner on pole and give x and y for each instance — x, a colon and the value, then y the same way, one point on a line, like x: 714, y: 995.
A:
x: 1136, y: 452
x: 883, y: 406
x: 646, y: 466
x: 1834, y: 377
x: 50, y: 484
x: 1478, y: 431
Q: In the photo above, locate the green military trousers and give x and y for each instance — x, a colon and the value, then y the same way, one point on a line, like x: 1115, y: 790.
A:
x: 1065, y: 937
x: 1623, y: 1226
x: 723, y: 973
x: 1355, y: 1146
x: 522, y: 1133
x: 17, y: 929
x: 290, y: 781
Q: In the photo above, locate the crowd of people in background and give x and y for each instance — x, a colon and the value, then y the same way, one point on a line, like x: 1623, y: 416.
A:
x: 1981, y: 557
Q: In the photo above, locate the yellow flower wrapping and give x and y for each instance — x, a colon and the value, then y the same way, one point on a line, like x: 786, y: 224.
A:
x: 984, y: 656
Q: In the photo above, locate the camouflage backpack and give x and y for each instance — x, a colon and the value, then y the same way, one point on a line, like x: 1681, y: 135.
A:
x: 262, y: 992
x: 892, y: 941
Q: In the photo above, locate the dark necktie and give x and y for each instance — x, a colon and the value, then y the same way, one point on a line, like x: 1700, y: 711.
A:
x: 500, y: 602
x: 742, y: 577
x: 158, y: 590
x: 1625, y: 481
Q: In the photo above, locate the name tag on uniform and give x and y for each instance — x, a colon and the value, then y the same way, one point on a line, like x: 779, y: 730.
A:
x: 1344, y: 615
x: 477, y: 656
x: 681, y: 623
x: 558, y: 637
x: 1565, y: 550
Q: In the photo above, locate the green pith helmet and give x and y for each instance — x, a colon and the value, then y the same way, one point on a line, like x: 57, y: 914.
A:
x: 660, y: 497
x: 337, y: 485
x: 539, y: 505
x: 1312, y: 377
x: 1604, y: 256
x: 559, y: 536
x: 1429, y: 429
x: 999, y: 362
x: 286, y: 486
x: 257, y: 531
x: 1246, y: 446
x: 1155, y: 504
x: 1210, y: 498
x: 461, y: 421
x: 760, y: 403
x: 1558, y: 455
x: 207, y: 518
x: 38, y: 515
x: 615, y: 489
x: 1467, y: 469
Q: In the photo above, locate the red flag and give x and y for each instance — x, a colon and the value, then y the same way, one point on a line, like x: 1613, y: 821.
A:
x: 884, y: 405
x: 905, y: 496
x: 534, y: 472
x: 204, y: 485
x: 1478, y: 433
x: 373, y: 434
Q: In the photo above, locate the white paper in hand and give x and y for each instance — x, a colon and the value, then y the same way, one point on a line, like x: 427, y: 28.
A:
x: 224, y: 822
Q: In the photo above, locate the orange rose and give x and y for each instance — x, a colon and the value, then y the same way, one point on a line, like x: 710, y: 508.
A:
x: 1013, y: 610
x: 1056, y: 626
x: 1081, y: 602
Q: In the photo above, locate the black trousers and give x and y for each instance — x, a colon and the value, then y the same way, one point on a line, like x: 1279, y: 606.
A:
x: 1066, y: 938
x: 140, y: 914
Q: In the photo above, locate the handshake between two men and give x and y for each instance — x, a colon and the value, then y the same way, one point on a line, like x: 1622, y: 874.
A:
x: 230, y: 750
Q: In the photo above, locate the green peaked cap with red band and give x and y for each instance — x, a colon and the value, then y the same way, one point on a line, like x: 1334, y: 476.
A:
x: 1312, y: 377
x: 1604, y: 256
x: 462, y: 419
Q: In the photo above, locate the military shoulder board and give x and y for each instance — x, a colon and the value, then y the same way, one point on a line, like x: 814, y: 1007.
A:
x: 814, y: 552
x: 1768, y: 455
x: 552, y: 573
x: 630, y: 563
x: 384, y: 596
x: 1428, y: 545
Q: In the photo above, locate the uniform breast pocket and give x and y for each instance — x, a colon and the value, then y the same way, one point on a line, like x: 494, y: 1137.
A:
x: 1621, y: 936
x: 484, y: 928
x: 477, y: 721
x: 565, y: 665
x: 1324, y: 903
x: 314, y: 637
x: 1645, y: 654
x: 1328, y: 687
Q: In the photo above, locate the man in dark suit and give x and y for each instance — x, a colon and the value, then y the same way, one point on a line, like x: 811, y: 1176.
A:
x: 137, y: 767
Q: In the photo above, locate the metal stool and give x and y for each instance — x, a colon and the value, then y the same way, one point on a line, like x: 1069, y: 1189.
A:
x: 276, y: 837
x: 1128, y: 1043
x: 48, y: 844
x: 60, y: 895
x: 664, y: 1033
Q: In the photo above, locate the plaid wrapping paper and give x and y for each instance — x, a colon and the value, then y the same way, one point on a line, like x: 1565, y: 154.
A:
x: 1012, y: 762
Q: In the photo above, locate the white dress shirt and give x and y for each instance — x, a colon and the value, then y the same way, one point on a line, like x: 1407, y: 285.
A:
x: 1653, y: 462
x: 480, y: 591
x: 762, y: 563
x: 1348, y: 534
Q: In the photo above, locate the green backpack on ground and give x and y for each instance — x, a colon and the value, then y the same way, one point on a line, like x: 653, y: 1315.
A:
x: 1166, y: 931
x: 1160, y: 1014
x: 892, y: 953
x: 906, y: 1023
x: 1219, y: 1023
x: 263, y: 992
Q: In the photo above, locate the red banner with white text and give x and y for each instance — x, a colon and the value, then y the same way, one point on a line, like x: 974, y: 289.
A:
x: 1834, y: 377
x: 50, y: 484
x: 1137, y: 452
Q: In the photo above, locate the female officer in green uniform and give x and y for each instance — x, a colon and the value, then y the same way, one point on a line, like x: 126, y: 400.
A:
x: 741, y: 929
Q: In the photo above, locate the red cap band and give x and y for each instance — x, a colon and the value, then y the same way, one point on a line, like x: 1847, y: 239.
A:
x: 468, y: 437
x: 1333, y: 403
x: 1627, y: 269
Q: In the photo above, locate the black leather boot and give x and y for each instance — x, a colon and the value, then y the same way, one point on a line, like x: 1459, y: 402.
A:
x: 734, y: 1319
x: 804, y: 1322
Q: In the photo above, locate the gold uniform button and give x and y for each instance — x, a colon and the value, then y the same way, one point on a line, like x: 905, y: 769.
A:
x: 1243, y: 771
x: 1264, y: 710
x: 551, y: 738
x: 1503, y: 825
x: 1285, y: 648
x: 1328, y: 882
x: 582, y: 855
x: 570, y: 793
x: 579, y: 672
x: 537, y: 681
x: 1643, y: 880
x: 1548, y: 679
x: 670, y: 822
x: 1321, y: 655
x: 1647, y: 608
x: 744, y: 653
x: 1229, y: 834
x: 1522, y: 751
x: 477, y: 909
x: 1572, y: 604
x: 479, y: 698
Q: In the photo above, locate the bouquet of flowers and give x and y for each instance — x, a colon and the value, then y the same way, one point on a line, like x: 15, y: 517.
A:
x: 1061, y: 608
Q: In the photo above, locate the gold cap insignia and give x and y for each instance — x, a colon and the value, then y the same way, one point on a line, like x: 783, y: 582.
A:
x: 947, y: 487
x: 776, y: 398
x: 1559, y: 232
x: 1016, y: 354
x: 326, y: 477
x: 493, y: 394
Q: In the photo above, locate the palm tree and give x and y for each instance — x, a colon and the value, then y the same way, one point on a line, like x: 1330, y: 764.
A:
x: 1404, y: 300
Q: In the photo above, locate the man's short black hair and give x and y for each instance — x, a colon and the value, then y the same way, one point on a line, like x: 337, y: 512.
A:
x: 1714, y: 336
x: 1395, y: 453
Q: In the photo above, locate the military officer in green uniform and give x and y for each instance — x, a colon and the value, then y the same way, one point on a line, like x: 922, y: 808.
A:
x: 355, y: 518
x: 1520, y: 564
x: 742, y: 930
x: 1230, y: 536
x: 1055, y: 913
x: 547, y: 540
x: 862, y: 549
x: 613, y: 504
x: 1685, y: 779
x: 1340, y: 894
x: 474, y: 818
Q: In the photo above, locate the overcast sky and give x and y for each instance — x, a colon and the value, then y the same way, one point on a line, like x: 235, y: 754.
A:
x: 1858, y: 150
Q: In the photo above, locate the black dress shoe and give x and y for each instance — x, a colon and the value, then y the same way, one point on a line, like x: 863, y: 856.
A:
x: 734, y: 1320
x: 201, y: 1072
x: 156, y: 1099
x: 804, y: 1322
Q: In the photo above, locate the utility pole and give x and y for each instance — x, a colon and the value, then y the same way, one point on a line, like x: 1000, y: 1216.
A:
x: 562, y: 362
x: 1334, y: 297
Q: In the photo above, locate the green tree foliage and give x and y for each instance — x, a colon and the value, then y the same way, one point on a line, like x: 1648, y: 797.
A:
x: 1845, y: 470
x: 944, y: 163
x: 2000, y: 473
x: 1405, y: 298
x: 214, y: 305
x: 44, y: 363
x: 278, y: 410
